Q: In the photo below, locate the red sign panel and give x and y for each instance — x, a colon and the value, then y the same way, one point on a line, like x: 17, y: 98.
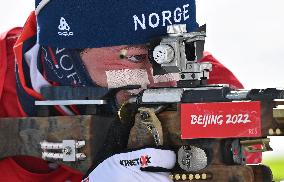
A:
x: 221, y: 120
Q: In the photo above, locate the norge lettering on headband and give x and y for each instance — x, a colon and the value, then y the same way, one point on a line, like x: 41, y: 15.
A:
x: 165, y: 18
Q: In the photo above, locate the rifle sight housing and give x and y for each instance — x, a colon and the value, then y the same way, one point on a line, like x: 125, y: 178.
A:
x: 179, y: 52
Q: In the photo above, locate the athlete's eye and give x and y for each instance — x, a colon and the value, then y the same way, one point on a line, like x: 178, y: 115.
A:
x: 135, y: 58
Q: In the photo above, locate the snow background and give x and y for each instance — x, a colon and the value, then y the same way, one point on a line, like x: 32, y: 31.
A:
x: 245, y: 35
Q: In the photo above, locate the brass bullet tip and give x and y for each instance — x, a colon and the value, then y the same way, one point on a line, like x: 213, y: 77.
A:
x: 197, y: 176
x: 278, y: 131
x: 177, y: 177
x: 270, y: 131
x: 203, y: 176
x: 190, y: 177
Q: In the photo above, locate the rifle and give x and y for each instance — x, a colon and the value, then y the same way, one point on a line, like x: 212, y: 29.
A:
x: 213, y: 128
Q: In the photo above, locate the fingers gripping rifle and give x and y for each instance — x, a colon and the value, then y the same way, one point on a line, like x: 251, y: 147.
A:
x: 212, y: 127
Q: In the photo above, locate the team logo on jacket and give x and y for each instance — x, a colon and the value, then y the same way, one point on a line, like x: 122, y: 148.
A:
x: 143, y: 161
x: 64, y: 28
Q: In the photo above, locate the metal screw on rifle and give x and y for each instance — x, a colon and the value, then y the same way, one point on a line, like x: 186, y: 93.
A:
x: 144, y: 115
x: 187, y: 158
x: 67, y: 150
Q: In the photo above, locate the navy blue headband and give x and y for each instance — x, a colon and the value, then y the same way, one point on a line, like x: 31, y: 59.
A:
x: 103, y: 23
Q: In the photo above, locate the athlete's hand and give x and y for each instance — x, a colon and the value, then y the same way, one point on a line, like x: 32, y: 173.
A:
x: 144, y: 165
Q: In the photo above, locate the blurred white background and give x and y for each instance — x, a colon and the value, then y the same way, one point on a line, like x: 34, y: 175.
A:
x: 248, y: 37
x: 245, y: 35
x: 14, y: 13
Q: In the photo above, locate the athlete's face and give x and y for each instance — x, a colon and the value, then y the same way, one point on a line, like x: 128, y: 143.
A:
x: 119, y: 66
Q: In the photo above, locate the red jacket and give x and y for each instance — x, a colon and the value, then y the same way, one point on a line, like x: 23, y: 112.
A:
x: 9, y: 104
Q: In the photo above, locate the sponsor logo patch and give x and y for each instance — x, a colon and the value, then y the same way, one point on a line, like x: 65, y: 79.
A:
x: 64, y: 28
x: 143, y: 161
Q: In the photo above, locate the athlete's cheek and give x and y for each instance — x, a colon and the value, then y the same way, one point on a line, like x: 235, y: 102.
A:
x: 126, y: 77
